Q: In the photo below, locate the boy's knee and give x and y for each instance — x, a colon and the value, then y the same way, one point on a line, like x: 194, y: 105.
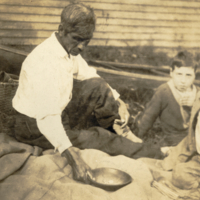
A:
x: 182, y: 178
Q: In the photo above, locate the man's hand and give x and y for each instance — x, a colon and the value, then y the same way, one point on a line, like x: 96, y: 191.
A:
x: 123, y: 113
x: 80, y: 169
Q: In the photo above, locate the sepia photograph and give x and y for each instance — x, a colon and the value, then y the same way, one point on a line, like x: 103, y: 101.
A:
x: 99, y: 99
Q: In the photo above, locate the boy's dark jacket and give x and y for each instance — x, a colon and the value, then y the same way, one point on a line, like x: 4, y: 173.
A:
x: 187, y: 147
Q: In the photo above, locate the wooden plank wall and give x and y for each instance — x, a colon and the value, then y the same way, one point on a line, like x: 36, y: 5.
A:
x: 159, y: 23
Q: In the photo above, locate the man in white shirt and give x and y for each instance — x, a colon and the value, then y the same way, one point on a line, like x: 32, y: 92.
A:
x: 46, y: 82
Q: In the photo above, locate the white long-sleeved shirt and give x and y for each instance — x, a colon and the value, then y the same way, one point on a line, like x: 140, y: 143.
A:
x: 45, y: 87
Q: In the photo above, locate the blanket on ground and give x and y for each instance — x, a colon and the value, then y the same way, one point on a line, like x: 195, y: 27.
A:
x: 163, y: 182
x: 27, y: 173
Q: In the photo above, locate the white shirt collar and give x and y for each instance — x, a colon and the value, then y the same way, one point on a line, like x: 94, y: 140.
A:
x: 60, y: 51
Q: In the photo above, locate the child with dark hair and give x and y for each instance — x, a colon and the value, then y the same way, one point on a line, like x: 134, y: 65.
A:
x: 172, y: 101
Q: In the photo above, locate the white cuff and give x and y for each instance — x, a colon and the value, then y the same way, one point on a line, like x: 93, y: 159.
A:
x: 115, y: 93
x: 51, y: 127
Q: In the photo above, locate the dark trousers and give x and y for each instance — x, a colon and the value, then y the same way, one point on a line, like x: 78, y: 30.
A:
x: 92, y: 104
x: 91, y: 111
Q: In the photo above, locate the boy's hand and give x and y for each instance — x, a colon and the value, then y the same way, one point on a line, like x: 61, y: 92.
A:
x: 123, y: 113
x: 80, y: 169
x: 187, y: 101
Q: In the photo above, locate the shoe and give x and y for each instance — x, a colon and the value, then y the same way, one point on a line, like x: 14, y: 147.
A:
x: 126, y: 132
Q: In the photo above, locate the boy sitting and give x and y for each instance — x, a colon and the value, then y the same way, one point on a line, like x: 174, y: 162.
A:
x: 184, y: 159
x: 172, y: 102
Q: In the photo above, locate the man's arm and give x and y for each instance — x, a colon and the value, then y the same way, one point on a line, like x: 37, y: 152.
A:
x: 80, y: 169
x: 51, y: 127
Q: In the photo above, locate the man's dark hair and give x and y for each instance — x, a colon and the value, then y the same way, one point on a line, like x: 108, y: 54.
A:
x: 77, y: 17
x: 184, y: 59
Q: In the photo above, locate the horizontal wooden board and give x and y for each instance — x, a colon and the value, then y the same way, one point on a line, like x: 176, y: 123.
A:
x: 21, y: 41
x: 28, y: 25
x: 29, y: 18
x: 135, y: 8
x: 150, y: 15
x: 143, y: 36
x: 146, y: 29
x: 101, y: 1
x: 124, y: 43
x: 141, y: 2
x: 106, y: 35
x: 30, y: 10
x: 153, y: 23
x: 129, y: 1
x: 103, y: 5
x: 105, y: 21
x: 101, y: 42
x: 25, y: 33
x: 102, y: 28
x: 173, y: 3
x: 56, y: 4
x: 140, y: 14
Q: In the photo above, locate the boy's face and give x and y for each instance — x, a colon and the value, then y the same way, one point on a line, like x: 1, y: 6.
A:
x: 183, y: 77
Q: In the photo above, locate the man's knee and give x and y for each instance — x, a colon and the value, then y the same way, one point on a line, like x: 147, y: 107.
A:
x: 96, y: 86
x: 92, y: 82
x: 96, y: 83
x: 182, y: 178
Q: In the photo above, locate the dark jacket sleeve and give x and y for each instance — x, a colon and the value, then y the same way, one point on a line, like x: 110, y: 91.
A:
x: 152, y: 111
